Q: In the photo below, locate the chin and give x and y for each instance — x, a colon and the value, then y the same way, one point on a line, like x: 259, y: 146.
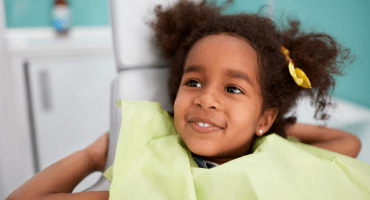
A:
x: 202, y: 151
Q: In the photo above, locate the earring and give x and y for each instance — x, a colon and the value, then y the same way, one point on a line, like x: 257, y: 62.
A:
x: 261, y: 131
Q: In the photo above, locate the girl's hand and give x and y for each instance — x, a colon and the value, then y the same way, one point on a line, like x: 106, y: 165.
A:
x: 59, y: 179
x: 327, y: 138
x: 98, y: 152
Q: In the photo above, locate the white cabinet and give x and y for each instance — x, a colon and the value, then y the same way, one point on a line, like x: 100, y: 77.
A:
x: 70, y: 101
x: 63, y: 107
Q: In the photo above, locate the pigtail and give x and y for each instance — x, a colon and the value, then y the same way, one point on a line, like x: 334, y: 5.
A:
x: 321, y: 58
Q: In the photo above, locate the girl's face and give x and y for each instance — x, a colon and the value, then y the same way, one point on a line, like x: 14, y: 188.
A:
x: 219, y: 86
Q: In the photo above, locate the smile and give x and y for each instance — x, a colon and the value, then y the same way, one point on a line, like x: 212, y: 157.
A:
x: 203, y: 127
x: 203, y: 124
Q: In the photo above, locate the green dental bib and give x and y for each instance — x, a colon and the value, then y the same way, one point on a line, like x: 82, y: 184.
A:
x: 153, y: 163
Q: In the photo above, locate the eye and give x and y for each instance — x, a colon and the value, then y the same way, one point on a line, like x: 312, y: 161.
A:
x: 234, y: 89
x: 192, y: 83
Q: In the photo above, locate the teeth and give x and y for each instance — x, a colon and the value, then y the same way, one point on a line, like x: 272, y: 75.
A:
x: 204, y: 124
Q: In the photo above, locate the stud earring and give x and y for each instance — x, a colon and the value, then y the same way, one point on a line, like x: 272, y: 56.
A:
x: 261, y: 131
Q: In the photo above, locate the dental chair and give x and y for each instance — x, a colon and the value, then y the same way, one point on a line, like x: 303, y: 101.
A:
x: 142, y: 73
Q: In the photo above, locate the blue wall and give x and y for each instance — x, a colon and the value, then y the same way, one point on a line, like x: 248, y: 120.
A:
x: 37, y: 13
x: 349, y: 23
x: 346, y: 21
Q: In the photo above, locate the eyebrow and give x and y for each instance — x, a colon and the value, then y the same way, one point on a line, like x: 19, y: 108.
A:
x: 232, y: 73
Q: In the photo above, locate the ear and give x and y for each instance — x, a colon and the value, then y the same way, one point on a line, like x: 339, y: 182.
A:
x: 266, y: 121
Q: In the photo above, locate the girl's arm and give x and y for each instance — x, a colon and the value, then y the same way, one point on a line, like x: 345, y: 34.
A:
x: 327, y: 138
x: 58, y: 180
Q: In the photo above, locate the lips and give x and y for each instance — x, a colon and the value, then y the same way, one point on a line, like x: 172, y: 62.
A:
x: 208, y: 121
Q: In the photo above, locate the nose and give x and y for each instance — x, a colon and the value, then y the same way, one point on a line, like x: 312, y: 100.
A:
x: 209, y: 98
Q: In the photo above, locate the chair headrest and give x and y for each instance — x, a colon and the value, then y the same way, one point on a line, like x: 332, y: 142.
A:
x: 132, y: 35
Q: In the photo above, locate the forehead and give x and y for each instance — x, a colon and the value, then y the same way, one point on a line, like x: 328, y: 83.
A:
x: 223, y: 53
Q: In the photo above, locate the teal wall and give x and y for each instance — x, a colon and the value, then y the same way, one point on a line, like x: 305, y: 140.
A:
x: 347, y: 21
x: 37, y: 13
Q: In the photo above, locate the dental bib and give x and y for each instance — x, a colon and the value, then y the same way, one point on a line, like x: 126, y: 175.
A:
x: 152, y: 162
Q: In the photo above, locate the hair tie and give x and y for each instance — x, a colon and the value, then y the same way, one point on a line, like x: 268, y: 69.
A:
x: 298, y: 75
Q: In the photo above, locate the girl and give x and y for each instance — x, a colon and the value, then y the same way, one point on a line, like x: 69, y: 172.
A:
x: 232, y: 72
x: 234, y: 76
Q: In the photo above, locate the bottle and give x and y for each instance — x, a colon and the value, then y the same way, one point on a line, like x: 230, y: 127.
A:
x: 61, y: 16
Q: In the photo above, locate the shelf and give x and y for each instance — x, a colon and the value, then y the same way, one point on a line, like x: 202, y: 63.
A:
x: 44, y: 41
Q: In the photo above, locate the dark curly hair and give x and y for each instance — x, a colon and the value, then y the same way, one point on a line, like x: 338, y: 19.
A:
x: 178, y: 27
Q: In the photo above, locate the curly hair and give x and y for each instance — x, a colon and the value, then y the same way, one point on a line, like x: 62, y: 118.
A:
x: 180, y: 26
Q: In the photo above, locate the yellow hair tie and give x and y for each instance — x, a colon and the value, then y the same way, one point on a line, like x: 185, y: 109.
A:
x: 298, y: 75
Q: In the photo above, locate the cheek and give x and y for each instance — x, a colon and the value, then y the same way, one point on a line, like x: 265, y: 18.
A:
x: 178, y: 105
x: 181, y: 102
x: 179, y: 111
x: 246, y: 116
x: 176, y: 111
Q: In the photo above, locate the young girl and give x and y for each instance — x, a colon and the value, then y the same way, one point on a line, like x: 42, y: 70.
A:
x: 233, y: 79
x: 235, y: 71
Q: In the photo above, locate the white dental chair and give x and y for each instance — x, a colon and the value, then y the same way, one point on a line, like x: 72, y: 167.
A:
x: 142, y: 73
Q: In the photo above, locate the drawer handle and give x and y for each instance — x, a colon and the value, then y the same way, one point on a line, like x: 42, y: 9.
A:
x: 44, y: 78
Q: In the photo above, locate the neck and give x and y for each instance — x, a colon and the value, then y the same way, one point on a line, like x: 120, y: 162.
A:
x: 218, y: 160
x: 223, y: 159
x: 246, y: 150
